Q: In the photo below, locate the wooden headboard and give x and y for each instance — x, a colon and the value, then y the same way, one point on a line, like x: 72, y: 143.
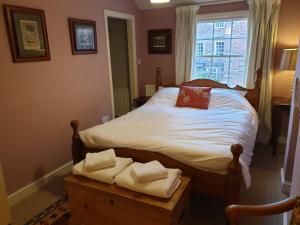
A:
x: 253, y: 95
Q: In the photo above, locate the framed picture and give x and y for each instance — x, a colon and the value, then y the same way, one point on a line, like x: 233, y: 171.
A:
x: 83, y: 36
x: 27, y: 33
x: 160, y: 41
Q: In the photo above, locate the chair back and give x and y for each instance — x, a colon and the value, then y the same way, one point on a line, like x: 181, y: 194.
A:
x: 234, y: 212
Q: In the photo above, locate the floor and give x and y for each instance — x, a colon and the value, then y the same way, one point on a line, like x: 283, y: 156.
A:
x: 265, y: 188
x: 34, y: 204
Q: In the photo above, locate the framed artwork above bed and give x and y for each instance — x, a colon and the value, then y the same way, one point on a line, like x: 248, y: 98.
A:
x: 27, y: 33
x: 160, y: 41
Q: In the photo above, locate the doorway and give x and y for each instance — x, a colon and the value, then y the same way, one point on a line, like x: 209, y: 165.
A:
x: 117, y: 30
x: 120, y: 37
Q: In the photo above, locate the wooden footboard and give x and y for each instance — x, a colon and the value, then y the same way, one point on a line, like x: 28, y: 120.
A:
x: 226, y: 187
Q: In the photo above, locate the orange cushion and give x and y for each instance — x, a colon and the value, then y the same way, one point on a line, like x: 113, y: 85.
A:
x: 194, y: 97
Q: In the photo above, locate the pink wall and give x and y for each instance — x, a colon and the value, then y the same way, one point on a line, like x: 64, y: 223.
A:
x: 156, y: 19
x: 39, y: 99
x: 288, y: 37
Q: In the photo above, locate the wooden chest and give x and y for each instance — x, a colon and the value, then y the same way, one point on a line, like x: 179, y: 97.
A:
x: 95, y: 203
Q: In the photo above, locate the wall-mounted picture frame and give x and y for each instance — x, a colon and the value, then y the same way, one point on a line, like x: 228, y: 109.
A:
x: 160, y: 41
x: 83, y: 36
x: 27, y: 33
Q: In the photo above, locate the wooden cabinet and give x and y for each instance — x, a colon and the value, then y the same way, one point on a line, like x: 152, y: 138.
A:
x: 279, y: 106
x: 95, y: 203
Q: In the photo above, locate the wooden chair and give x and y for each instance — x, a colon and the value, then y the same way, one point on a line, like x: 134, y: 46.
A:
x: 233, y: 212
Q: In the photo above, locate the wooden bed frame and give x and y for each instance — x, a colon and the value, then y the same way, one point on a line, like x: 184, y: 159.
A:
x: 226, y: 187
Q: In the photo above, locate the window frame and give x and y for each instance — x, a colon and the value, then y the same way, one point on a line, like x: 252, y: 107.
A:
x: 220, y: 16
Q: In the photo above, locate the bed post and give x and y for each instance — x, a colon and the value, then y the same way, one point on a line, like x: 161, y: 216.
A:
x: 76, y: 142
x: 158, y: 78
x: 234, y: 175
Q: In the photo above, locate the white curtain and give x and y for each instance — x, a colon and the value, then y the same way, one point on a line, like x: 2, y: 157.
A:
x: 263, y: 24
x: 185, y: 37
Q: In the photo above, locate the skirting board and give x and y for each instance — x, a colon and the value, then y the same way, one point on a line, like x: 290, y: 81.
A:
x: 37, y: 185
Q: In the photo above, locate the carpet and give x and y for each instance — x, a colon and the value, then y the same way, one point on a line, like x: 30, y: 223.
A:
x: 56, y: 214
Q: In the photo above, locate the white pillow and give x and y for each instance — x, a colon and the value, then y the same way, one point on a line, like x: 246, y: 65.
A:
x: 224, y: 91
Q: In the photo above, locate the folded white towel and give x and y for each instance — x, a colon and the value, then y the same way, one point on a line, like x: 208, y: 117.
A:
x: 106, y: 175
x: 100, y: 160
x: 160, y: 188
x: 145, y: 172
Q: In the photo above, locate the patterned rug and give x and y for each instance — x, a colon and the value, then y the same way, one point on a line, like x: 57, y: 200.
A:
x: 56, y: 214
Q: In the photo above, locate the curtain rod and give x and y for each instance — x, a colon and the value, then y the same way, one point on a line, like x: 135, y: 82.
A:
x: 217, y: 2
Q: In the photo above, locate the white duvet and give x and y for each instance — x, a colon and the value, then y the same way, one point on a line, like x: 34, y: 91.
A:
x: 199, y: 138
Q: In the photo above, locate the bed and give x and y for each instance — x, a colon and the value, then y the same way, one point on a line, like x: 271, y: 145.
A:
x: 214, y: 147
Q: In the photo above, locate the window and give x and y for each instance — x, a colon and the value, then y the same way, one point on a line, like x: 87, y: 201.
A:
x: 220, y: 54
x: 220, y: 25
x: 219, y: 48
x: 200, y: 49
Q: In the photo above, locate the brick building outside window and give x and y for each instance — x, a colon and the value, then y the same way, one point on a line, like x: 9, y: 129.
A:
x: 221, y: 50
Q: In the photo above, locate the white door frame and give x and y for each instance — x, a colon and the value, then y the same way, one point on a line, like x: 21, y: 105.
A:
x: 130, y: 19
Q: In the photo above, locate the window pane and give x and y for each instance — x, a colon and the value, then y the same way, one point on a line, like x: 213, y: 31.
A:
x: 239, y: 29
x: 205, y: 30
x: 220, y: 67
x: 223, y: 32
x: 237, y: 70
x: 238, y: 47
x: 202, y: 68
x: 207, y: 47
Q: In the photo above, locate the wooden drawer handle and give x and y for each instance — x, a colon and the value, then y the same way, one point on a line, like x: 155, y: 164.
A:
x: 85, y: 206
x: 111, y: 202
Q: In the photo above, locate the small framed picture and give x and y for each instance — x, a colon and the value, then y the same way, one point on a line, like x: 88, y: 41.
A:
x: 83, y: 36
x: 27, y: 33
x: 160, y: 41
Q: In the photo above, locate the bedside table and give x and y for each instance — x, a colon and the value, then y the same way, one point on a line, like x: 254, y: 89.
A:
x: 279, y: 104
x: 141, y: 100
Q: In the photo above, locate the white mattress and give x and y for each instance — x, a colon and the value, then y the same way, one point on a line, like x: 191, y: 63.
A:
x: 199, y: 138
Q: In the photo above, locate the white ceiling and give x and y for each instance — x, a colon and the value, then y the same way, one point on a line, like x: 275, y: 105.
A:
x: 145, y: 4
